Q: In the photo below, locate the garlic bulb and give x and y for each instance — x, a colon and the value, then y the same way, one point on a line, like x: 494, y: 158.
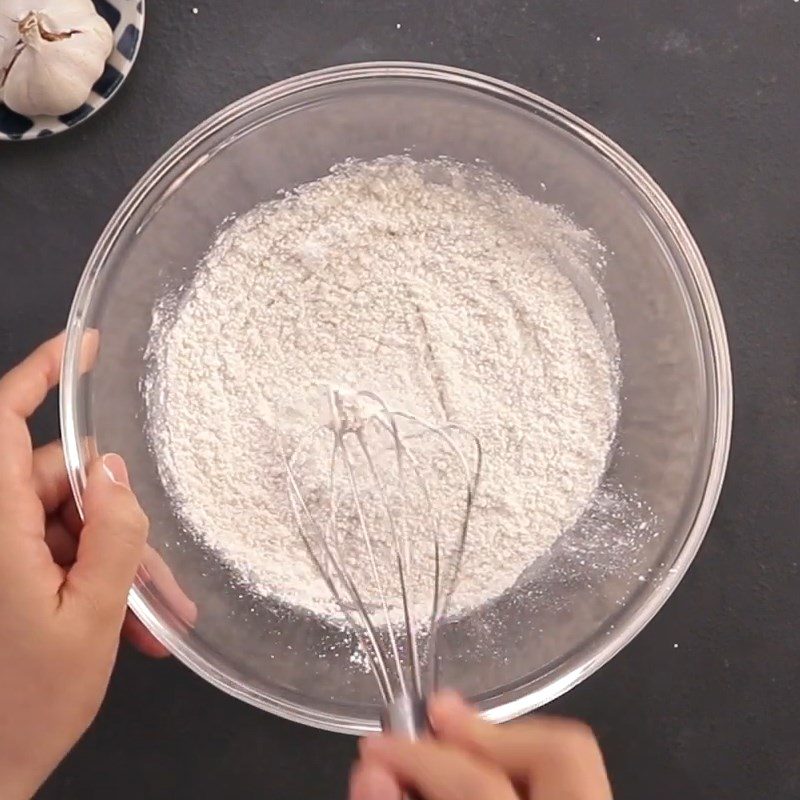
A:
x: 51, y: 54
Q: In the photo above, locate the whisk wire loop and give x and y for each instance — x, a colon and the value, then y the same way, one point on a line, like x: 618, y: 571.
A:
x: 350, y: 417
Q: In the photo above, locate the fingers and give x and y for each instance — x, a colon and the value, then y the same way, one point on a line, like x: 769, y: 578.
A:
x: 63, y: 530
x: 437, y: 770
x: 372, y: 782
x: 157, y: 573
x: 63, y: 545
x: 71, y: 517
x: 23, y: 389
x: 50, y: 479
x: 137, y: 635
x: 112, y: 541
x: 557, y: 757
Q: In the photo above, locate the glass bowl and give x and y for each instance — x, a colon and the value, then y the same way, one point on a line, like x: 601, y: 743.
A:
x: 573, y: 609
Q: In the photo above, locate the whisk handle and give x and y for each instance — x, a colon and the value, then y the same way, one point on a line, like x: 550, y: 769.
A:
x: 407, y: 717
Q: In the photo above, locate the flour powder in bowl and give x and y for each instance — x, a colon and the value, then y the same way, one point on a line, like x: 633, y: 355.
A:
x: 436, y: 285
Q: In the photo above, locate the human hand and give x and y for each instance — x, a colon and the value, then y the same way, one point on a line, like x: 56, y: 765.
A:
x: 540, y: 759
x: 62, y: 599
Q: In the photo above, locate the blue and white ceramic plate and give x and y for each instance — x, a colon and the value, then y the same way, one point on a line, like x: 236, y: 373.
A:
x: 126, y: 18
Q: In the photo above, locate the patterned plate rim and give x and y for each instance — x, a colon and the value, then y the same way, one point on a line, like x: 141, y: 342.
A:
x: 127, y: 19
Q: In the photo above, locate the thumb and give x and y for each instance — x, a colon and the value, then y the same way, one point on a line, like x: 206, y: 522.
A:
x: 112, y: 540
x: 371, y: 782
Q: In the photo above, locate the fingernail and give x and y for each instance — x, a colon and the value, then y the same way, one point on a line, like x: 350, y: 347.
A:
x: 115, y: 468
x: 449, y: 700
x: 374, y: 783
x: 447, y: 704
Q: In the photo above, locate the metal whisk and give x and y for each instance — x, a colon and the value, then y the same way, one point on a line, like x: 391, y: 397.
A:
x: 380, y: 496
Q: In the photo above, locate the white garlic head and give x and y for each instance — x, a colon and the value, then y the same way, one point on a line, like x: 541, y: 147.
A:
x: 51, y: 54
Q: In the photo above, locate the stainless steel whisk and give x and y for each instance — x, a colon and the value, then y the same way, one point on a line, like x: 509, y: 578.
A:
x: 374, y: 481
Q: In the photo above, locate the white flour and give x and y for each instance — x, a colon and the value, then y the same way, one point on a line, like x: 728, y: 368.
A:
x: 437, y: 286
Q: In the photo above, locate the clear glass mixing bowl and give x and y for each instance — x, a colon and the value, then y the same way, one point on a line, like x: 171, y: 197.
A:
x: 572, y: 610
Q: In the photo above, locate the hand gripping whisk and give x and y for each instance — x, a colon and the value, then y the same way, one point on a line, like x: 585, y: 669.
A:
x: 396, y: 500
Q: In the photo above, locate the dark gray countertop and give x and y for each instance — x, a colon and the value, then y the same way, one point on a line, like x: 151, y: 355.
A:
x: 704, y: 703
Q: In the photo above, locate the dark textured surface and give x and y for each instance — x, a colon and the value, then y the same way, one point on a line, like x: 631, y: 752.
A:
x: 705, y: 95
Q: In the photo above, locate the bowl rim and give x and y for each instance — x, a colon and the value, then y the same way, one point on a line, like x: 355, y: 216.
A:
x: 707, y: 310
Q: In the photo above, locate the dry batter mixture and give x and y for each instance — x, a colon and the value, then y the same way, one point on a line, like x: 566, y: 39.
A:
x: 434, y: 284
